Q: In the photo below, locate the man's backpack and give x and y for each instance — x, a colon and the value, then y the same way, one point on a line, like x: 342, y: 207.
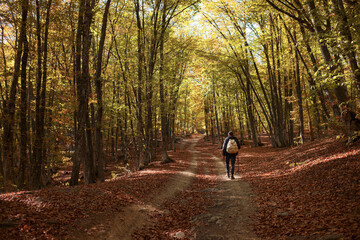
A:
x: 232, y: 147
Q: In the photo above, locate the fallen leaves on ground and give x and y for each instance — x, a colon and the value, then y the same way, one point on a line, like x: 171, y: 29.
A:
x: 185, y: 205
x: 318, y: 196
x: 53, y: 213
x: 305, y: 192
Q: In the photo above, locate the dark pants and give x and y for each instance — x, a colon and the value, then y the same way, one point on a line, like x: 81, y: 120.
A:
x: 232, y: 158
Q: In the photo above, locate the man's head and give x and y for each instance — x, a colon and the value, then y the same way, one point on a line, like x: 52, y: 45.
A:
x: 231, y: 134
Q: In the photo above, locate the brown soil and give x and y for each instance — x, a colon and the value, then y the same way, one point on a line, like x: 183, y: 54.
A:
x: 226, y: 218
x: 229, y: 217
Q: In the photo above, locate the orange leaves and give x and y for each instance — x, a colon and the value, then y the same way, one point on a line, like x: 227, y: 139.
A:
x: 320, y: 199
x: 57, y: 212
x: 316, y: 199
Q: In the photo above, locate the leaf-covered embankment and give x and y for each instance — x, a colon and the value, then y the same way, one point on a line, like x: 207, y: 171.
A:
x: 319, y: 196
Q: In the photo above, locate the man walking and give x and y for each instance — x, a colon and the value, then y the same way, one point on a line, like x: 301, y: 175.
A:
x: 230, y: 150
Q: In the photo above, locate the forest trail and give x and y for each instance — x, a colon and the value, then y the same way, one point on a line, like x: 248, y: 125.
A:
x: 227, y: 218
x: 135, y: 216
x: 192, y: 198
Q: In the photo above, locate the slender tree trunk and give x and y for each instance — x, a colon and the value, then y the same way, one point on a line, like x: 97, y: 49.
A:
x: 23, y: 119
x: 126, y: 118
x: 44, y: 84
x: 35, y: 176
x: 76, y: 49
x: 154, y: 41
x: 206, y: 114
x: 84, y: 89
x: 185, y: 111
x: 36, y: 173
x: 212, y: 119
x: 9, y: 106
x: 164, y: 120
x: 241, y: 128
x: 4, y: 96
x: 250, y: 111
x: 140, y: 128
x: 311, y: 129
x: 29, y: 124
x: 98, y: 87
x: 78, y: 82
x: 288, y: 110
x: 299, y: 94
x: 216, y: 113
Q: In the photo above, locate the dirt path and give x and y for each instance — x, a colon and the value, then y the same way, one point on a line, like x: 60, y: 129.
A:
x: 229, y: 217
x: 192, y: 198
x: 135, y: 216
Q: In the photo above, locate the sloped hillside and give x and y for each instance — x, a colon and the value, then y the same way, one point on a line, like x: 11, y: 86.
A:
x: 312, y: 190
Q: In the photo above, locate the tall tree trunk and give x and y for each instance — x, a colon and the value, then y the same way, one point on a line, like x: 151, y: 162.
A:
x: 23, y: 119
x: 185, y: 111
x: 241, y: 127
x: 311, y: 129
x: 140, y: 126
x: 35, y: 176
x: 98, y: 87
x: 36, y: 173
x: 77, y: 76
x: 44, y: 82
x: 251, y: 116
x: 4, y: 96
x: 85, y: 136
x: 149, y: 141
x: 288, y: 110
x: 299, y: 94
x: 216, y: 113
x: 9, y: 109
x: 206, y: 114
x: 163, y: 114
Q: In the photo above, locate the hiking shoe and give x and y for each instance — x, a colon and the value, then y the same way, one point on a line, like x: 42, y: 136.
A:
x: 232, y: 177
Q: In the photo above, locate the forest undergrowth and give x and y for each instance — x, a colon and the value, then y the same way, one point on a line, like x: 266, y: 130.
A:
x: 54, y: 212
x: 305, y: 192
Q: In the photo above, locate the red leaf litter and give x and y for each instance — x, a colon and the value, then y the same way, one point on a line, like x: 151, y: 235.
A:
x: 319, y: 196
x: 54, y: 212
x: 311, y: 191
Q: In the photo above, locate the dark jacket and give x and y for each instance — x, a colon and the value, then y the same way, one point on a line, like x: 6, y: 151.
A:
x: 226, y: 143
